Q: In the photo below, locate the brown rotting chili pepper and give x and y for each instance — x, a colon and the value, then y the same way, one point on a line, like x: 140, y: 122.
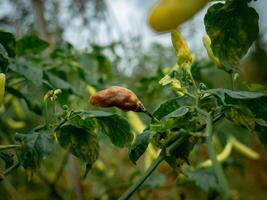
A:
x: 119, y: 97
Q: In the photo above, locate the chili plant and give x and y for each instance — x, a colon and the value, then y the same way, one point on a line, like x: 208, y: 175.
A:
x: 177, y: 125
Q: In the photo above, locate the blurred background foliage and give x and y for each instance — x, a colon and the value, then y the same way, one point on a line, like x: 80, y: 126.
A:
x: 41, y: 59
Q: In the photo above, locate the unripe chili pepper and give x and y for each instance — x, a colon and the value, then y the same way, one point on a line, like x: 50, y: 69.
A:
x: 2, y: 87
x: 119, y: 97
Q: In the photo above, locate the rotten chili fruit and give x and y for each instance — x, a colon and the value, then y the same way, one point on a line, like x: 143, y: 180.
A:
x: 119, y: 97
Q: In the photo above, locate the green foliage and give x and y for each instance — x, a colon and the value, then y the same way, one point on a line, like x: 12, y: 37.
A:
x: 177, y: 113
x: 4, y: 60
x: 240, y: 115
x: 244, y: 108
x: 140, y: 145
x: 117, y: 129
x: 9, y: 42
x: 30, y: 45
x: 31, y: 73
x: 113, y: 125
x: 34, y: 147
x: 226, y: 96
x: 57, y: 82
x: 232, y: 28
x: 83, y: 143
x: 171, y: 105
x: 33, y: 106
x: 203, y: 178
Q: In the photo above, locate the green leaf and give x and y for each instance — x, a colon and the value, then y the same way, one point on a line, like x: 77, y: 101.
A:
x: 33, y: 74
x: 80, y: 142
x: 97, y: 114
x: 58, y: 82
x: 180, y: 112
x: 90, y: 124
x: 117, y: 129
x: 4, y: 60
x: 114, y: 126
x: 222, y: 94
x: 240, y: 115
x: 35, y: 146
x: 261, y: 122
x: 203, y: 178
x: 139, y: 146
x: 30, y: 45
x: 232, y: 28
x: 171, y: 105
x: 8, y: 41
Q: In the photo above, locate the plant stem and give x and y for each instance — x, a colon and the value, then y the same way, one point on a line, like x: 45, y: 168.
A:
x: 216, y: 165
x: 135, y: 187
x: 10, y: 146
